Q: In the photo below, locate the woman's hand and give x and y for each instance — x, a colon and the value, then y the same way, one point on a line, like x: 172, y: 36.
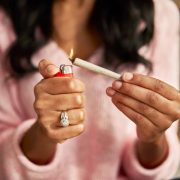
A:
x: 52, y: 96
x: 152, y: 105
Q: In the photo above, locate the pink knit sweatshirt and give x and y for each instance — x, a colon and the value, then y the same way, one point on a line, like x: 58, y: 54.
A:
x: 108, y: 144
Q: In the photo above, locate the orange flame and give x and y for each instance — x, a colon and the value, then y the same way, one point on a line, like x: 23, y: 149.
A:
x: 71, y: 54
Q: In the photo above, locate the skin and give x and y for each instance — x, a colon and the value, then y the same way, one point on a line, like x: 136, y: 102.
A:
x: 151, y: 104
x: 71, y: 30
x: 71, y: 27
x: 52, y: 96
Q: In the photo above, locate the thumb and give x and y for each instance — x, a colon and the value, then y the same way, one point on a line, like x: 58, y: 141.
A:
x: 47, y: 68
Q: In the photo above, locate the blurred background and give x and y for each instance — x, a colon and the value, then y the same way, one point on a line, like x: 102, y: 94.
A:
x: 177, y: 2
x: 178, y: 173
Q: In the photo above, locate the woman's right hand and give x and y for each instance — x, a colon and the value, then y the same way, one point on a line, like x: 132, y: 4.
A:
x: 54, y: 95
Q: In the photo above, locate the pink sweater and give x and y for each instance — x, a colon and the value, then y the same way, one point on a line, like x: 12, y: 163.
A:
x: 108, y: 142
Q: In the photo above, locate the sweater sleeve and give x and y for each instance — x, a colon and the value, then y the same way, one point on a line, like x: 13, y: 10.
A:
x: 164, y: 54
x: 13, y: 124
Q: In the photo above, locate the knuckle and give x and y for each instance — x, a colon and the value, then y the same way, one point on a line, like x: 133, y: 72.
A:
x: 81, y: 115
x: 173, y: 110
x: 138, y: 117
x: 38, y: 88
x: 38, y: 105
x: 166, y: 125
x: 178, y: 96
x: 119, y: 97
x: 177, y: 114
x: 116, y: 98
x: 159, y: 85
x: 144, y: 108
x: 152, y: 98
x: 79, y: 129
x: 127, y: 88
x: 75, y: 85
x: 138, y: 78
x: 40, y: 113
x: 71, y: 84
x: 42, y: 62
x: 79, y: 100
x: 148, y: 111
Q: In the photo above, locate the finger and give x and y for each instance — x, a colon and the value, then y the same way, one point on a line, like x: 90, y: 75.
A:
x: 62, y: 102
x: 61, y: 85
x: 60, y: 134
x: 52, y: 118
x: 160, y: 120
x: 145, y: 129
x: 47, y: 68
x: 137, y: 118
x: 146, y: 96
x: 110, y: 91
x: 76, y: 116
x: 153, y: 84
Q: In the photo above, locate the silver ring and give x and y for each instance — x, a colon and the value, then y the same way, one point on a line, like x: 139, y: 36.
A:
x: 64, y: 119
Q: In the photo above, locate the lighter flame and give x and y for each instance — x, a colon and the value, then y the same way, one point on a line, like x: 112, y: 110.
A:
x: 71, y: 54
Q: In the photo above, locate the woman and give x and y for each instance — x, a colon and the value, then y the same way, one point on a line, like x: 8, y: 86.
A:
x: 115, y: 34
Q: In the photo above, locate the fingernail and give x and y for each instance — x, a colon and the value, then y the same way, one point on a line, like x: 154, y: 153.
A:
x: 128, y: 76
x: 117, y: 85
x: 51, y: 69
x: 110, y: 91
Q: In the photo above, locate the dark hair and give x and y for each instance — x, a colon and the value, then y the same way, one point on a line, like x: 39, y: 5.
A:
x: 116, y: 20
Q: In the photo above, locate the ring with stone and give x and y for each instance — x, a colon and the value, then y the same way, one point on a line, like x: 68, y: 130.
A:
x: 64, y: 119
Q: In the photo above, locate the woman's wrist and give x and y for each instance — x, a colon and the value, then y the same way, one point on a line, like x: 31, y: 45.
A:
x: 152, y: 154
x: 37, y: 147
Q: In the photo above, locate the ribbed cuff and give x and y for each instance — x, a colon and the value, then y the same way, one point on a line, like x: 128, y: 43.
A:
x: 166, y: 170
x: 19, y: 133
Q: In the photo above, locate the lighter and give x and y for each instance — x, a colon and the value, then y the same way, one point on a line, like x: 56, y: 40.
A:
x: 65, y: 71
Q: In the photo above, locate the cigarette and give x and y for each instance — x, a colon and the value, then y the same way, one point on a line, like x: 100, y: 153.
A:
x: 92, y: 67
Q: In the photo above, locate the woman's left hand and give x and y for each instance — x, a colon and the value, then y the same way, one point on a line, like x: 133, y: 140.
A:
x: 150, y: 103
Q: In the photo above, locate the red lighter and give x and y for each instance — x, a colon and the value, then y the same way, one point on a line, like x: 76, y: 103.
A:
x: 65, y: 71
